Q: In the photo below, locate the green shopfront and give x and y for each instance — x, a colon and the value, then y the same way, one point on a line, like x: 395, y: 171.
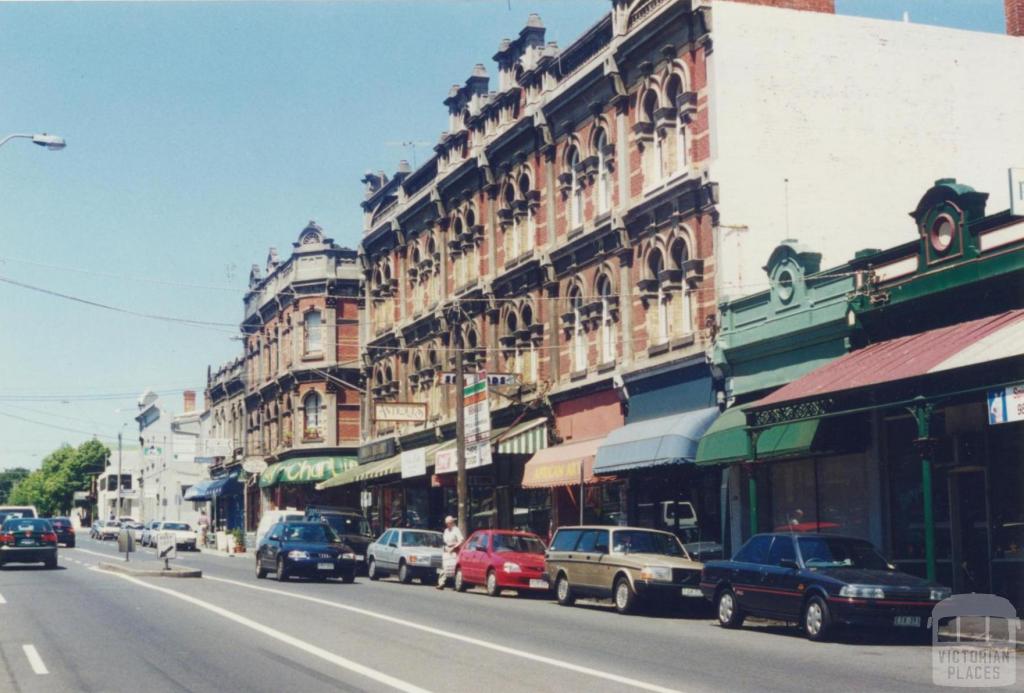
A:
x: 291, y: 483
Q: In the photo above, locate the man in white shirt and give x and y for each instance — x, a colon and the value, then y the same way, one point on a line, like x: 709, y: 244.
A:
x: 452, y: 539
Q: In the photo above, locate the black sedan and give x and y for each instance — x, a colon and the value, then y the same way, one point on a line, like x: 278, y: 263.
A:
x: 28, y: 540
x: 64, y: 530
x: 307, y: 549
x: 819, y: 581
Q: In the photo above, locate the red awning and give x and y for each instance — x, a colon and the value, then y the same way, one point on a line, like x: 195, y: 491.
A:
x: 965, y: 344
x: 560, y: 465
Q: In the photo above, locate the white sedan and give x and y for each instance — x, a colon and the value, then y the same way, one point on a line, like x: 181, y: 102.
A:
x: 184, y: 535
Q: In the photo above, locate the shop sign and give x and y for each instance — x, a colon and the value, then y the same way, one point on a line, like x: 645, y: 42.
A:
x: 377, y: 450
x: 1006, y: 405
x: 366, y: 498
x: 477, y: 455
x: 445, y: 461
x: 304, y: 471
x: 414, y: 463
x: 449, y: 378
x: 406, y: 412
x: 476, y: 410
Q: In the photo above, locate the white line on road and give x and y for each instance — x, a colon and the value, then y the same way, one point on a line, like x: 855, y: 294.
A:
x: 34, y: 659
x: 2, y: 600
x: 461, y: 638
x: 309, y: 648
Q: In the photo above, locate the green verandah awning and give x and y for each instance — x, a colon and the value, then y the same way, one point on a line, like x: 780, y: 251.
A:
x: 727, y: 440
x: 306, y: 470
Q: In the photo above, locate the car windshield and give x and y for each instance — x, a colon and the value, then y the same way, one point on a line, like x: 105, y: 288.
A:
x: 349, y: 524
x: 309, y: 533
x: 27, y: 524
x: 424, y: 539
x: 517, y: 543
x: 639, y: 541
x: 180, y: 526
x: 834, y: 552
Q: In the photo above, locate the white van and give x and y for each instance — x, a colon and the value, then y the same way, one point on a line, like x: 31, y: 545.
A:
x: 271, y: 517
x: 17, y: 511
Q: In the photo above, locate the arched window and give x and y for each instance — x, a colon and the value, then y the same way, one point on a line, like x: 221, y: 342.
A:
x: 312, y: 336
x: 471, y: 258
x: 655, y: 265
x: 529, y: 354
x: 579, y: 338
x: 575, y: 189
x: 604, y: 292
x: 460, y: 257
x: 526, y: 225
x: 680, y: 143
x: 604, y: 181
x: 311, y: 416
x: 512, y: 236
x: 680, y: 254
x: 655, y: 159
x: 513, y: 362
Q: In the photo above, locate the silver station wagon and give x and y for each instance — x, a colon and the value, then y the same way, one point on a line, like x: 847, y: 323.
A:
x: 409, y: 553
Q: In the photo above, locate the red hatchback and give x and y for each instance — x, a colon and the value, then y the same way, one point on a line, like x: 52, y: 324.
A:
x: 502, y: 559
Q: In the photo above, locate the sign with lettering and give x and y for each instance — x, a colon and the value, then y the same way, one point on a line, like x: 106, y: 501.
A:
x: 492, y: 378
x: 414, y: 463
x: 408, y: 412
x: 1006, y: 404
x: 477, y: 455
x: 476, y: 410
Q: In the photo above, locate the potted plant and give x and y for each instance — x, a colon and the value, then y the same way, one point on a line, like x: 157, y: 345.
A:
x: 239, y: 540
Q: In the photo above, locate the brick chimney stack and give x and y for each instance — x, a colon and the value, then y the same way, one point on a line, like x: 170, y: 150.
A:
x: 826, y: 6
x: 1014, y: 17
x: 190, y: 401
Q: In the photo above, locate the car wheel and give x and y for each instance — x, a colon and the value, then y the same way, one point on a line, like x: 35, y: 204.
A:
x: 261, y: 572
x: 371, y: 570
x: 51, y: 563
x: 349, y: 578
x: 280, y: 574
x: 729, y: 614
x: 404, y: 574
x: 563, y: 592
x: 71, y: 545
x: 817, y: 621
x: 625, y: 597
x: 460, y: 582
x: 492, y: 584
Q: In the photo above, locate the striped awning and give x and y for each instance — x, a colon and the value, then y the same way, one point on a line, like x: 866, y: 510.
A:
x: 525, y: 438
x: 364, y: 472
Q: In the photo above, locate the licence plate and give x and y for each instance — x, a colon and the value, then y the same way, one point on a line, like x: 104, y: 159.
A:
x: 360, y: 558
x: 909, y: 621
x: 539, y: 584
x: 691, y: 592
x: 26, y: 542
x: 325, y: 566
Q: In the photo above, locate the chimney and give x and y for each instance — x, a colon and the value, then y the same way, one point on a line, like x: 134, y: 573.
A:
x: 190, y: 401
x: 1014, y: 17
x: 826, y: 6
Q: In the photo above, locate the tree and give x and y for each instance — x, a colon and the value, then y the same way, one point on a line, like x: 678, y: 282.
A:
x: 51, y: 488
x: 8, y: 478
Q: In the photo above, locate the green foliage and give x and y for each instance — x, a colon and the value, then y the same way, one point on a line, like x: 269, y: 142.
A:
x: 51, y: 488
x: 8, y: 478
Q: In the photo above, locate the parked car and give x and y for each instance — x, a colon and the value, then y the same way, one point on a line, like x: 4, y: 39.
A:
x: 269, y: 518
x: 185, y: 536
x: 502, y: 559
x: 819, y: 581
x: 28, y: 540
x: 64, y: 530
x: 105, y: 529
x: 149, y: 529
x: 347, y: 523
x: 411, y: 553
x: 137, y: 529
x: 628, y: 564
x: 9, y: 511
x: 308, y: 549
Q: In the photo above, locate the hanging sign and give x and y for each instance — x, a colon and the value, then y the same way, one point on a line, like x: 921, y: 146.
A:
x: 1006, y: 404
x: 476, y: 410
x: 409, y: 412
x: 414, y: 463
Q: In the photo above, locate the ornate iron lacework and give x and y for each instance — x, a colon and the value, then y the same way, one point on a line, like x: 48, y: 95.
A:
x: 793, y: 412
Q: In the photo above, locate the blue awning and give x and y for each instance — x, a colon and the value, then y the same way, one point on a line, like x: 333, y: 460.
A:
x: 199, y: 491
x: 226, y: 486
x: 665, y: 440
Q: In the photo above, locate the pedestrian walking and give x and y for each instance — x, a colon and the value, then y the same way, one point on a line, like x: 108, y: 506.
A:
x: 452, y: 539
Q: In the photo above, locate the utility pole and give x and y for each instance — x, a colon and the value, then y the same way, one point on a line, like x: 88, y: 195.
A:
x: 460, y: 437
x: 118, y: 517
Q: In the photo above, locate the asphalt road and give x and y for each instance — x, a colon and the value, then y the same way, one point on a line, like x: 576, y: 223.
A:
x: 98, y: 631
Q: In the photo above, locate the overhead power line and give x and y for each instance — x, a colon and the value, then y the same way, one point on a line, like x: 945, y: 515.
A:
x: 56, y: 427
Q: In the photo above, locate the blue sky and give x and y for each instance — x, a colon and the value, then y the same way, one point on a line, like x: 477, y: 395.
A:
x: 199, y: 135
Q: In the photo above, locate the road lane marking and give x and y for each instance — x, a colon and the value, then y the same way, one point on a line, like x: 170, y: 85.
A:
x: 2, y: 600
x: 608, y: 676
x: 309, y: 648
x: 34, y: 659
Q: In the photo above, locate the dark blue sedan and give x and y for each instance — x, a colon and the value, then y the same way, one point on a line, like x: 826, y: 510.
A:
x: 819, y: 581
x: 306, y: 549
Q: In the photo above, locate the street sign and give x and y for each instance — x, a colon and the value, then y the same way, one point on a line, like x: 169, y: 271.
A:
x: 166, y: 546
x: 493, y: 379
x: 366, y: 498
x: 1017, y: 191
x: 476, y: 409
x: 409, y: 412
x: 1006, y: 405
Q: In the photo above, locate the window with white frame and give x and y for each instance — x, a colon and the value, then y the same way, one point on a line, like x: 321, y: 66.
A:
x: 311, y: 416
x: 312, y: 327
x: 579, y: 337
x: 680, y: 143
x: 512, y: 237
x: 575, y: 190
x: 607, y: 325
x: 513, y: 363
x: 680, y: 254
x: 654, y: 157
x: 655, y: 265
x: 526, y: 223
x: 471, y: 250
x: 604, y: 180
x: 529, y: 352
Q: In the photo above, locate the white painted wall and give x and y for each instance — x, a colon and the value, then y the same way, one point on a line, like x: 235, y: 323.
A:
x: 862, y: 116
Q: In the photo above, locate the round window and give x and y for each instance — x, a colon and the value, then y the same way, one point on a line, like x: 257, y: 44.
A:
x: 941, y: 234
x: 785, y: 286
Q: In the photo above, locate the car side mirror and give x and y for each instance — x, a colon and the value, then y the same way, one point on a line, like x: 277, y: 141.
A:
x: 788, y: 563
x: 393, y: 545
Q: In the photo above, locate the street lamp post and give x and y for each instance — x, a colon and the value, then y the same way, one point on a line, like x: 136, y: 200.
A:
x: 42, y: 139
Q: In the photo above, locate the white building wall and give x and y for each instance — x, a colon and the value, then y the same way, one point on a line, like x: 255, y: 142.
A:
x: 862, y: 116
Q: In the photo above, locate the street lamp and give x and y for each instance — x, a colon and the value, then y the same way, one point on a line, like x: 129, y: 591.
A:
x: 42, y: 139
